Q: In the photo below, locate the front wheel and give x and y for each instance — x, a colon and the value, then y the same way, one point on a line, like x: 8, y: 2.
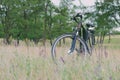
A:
x: 62, y: 45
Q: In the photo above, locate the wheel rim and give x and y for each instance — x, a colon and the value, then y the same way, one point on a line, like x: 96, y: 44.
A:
x: 60, y: 50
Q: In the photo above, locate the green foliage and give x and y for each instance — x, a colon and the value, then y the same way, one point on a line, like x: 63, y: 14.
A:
x: 39, y: 19
x: 1, y: 31
x: 105, y: 15
x: 106, y: 12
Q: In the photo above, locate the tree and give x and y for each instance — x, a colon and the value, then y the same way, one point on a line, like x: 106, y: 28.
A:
x: 105, y: 16
x: 7, y: 19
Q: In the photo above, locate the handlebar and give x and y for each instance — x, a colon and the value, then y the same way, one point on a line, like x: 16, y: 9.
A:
x: 75, y: 17
x: 79, y: 15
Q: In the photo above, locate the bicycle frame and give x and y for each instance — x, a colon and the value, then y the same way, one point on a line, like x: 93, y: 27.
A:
x: 77, y: 33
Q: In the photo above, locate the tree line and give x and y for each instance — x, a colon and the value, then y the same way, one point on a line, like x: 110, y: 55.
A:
x: 41, y: 20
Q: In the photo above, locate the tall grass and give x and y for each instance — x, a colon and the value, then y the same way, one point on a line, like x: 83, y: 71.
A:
x: 35, y: 63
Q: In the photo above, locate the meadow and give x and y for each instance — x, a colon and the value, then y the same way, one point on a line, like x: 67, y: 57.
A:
x: 35, y: 63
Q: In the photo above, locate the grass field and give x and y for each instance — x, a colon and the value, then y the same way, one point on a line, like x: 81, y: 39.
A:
x: 35, y: 63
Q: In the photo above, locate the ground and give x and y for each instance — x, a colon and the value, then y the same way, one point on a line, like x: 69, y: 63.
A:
x: 35, y: 63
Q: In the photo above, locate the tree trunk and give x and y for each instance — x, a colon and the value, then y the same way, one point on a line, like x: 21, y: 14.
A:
x: 45, y: 23
x: 109, y: 38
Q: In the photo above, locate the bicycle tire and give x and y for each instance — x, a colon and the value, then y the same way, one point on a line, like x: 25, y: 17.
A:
x: 63, y: 47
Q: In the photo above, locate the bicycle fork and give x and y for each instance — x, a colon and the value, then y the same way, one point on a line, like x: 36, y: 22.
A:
x: 73, y: 43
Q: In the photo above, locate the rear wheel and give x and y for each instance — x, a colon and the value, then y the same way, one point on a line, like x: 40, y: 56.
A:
x: 91, y: 42
x: 61, y: 47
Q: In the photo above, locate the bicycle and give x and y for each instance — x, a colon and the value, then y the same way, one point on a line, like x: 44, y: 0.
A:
x: 72, y: 43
